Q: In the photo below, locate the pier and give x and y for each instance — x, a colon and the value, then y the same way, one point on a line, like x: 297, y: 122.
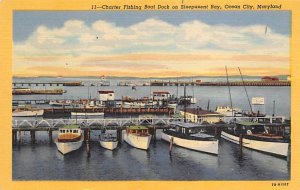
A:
x: 30, y: 92
x: 47, y: 83
x: 94, y: 124
x: 108, y: 110
x: 277, y: 124
x: 118, y: 124
x: 246, y: 83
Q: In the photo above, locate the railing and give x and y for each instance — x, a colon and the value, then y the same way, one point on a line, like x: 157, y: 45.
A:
x: 121, y: 122
x: 116, y: 122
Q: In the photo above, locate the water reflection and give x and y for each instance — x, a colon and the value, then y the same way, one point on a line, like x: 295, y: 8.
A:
x: 43, y: 161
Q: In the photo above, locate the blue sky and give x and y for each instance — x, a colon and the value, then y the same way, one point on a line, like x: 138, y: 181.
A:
x: 25, y: 22
x: 158, y: 43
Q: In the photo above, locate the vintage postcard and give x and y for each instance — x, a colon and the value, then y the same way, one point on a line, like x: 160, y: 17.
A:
x: 153, y: 94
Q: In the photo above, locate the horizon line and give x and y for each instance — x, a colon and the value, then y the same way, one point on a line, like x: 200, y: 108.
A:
x: 111, y: 76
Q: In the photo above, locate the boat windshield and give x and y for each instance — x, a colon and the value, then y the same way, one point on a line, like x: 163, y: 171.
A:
x: 258, y: 129
x: 249, y: 128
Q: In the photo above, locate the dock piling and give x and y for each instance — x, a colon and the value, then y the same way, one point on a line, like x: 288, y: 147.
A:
x: 20, y: 138
x: 216, y: 131
x: 32, y: 135
x: 50, y: 136
x: 14, y: 137
x: 171, y: 145
x: 241, y: 145
x: 119, y: 135
x: 88, y: 139
x: 154, y: 133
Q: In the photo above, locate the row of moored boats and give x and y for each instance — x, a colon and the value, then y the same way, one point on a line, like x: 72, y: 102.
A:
x: 192, y: 136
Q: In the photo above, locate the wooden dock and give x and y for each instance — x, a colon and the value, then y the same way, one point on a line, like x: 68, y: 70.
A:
x: 118, y: 124
x: 31, y: 92
x: 246, y: 83
x: 112, y: 110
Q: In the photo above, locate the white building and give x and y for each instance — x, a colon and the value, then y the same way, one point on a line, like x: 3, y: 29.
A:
x: 161, y: 95
x: 106, y: 95
x: 199, y: 115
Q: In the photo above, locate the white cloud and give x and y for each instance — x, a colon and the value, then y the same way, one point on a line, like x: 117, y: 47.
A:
x: 75, y: 37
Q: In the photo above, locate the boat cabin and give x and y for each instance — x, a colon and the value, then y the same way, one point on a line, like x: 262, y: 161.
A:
x: 138, y: 130
x: 161, y: 95
x: 187, y: 128
x: 106, y: 95
x: 249, y: 128
x: 191, y: 131
x: 197, y: 115
x: 69, y: 133
x: 73, y: 131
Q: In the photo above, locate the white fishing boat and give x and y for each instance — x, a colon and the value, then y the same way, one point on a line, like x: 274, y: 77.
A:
x: 255, y: 136
x: 86, y: 114
x: 108, y: 140
x: 60, y: 103
x: 187, y: 100
x: 228, y: 111
x: 92, y: 104
x: 70, y: 138
x: 133, y: 105
x: 138, y: 137
x: 172, y: 104
x: 27, y: 113
x: 191, y: 136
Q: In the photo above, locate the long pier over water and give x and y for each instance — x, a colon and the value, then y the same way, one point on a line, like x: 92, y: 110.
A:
x: 167, y: 83
x: 118, y: 124
x: 245, y: 83
x: 47, y: 83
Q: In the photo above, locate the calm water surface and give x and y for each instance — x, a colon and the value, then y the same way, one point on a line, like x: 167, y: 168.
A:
x: 43, y: 162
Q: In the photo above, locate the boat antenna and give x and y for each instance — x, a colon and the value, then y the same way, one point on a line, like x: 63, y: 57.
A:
x: 177, y: 89
x: 88, y: 89
x: 193, y: 91
x: 208, y: 104
x: 228, y: 85
x: 184, y: 103
x: 273, y: 108
x: 150, y: 88
x: 75, y: 117
x: 246, y: 90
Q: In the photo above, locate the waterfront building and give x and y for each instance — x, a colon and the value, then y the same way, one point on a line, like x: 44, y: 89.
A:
x: 106, y: 95
x: 200, y: 115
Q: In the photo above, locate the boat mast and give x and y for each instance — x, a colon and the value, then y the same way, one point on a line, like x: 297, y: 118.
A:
x: 208, y: 104
x: 177, y: 90
x: 273, y: 108
x: 88, y: 83
x: 184, y: 104
x: 229, y: 91
x: 193, y: 99
x: 246, y: 91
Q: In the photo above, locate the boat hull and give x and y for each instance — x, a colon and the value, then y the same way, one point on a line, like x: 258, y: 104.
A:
x: 275, y: 148
x: 140, y: 142
x: 67, y: 147
x: 211, y: 147
x: 110, y: 145
x: 34, y: 113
